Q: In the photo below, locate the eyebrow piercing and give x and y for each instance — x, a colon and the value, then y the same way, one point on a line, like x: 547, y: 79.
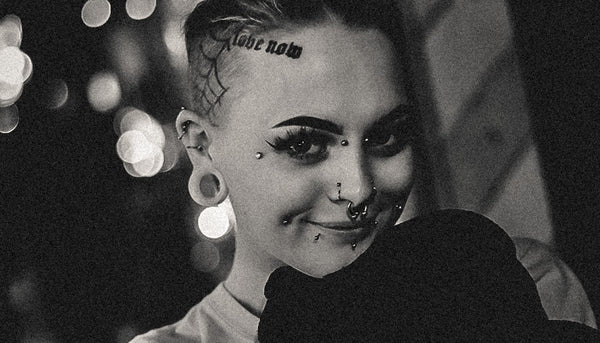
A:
x: 184, y: 128
x: 344, y: 142
x: 198, y: 147
x: 259, y: 155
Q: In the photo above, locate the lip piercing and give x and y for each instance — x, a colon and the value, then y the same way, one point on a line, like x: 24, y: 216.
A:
x: 198, y: 147
x: 344, y: 142
x: 259, y: 155
x: 184, y: 129
x: 317, y: 236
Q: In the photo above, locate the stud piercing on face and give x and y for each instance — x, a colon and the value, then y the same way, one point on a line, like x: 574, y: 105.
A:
x: 351, y: 212
x: 345, y: 143
x: 285, y: 222
x: 339, y: 189
x: 354, y: 245
x: 317, y: 236
x: 259, y: 155
x: 198, y: 147
x: 184, y: 129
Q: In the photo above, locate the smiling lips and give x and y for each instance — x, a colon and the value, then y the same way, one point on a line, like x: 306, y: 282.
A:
x: 345, y: 226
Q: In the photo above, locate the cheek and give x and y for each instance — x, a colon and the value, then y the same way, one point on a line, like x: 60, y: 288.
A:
x: 394, y: 175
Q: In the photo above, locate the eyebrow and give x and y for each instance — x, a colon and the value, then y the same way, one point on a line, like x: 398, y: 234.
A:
x: 313, y: 122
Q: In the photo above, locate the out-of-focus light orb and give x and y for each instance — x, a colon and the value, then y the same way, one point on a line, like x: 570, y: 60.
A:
x: 9, y: 94
x: 11, y: 31
x: 130, y: 170
x: 95, y: 13
x: 140, y: 9
x: 175, y: 43
x: 151, y: 166
x: 13, y: 65
x: 133, y: 147
x: 214, y: 222
x: 128, y: 55
x: 104, y: 91
x: 9, y: 119
x: 57, y: 94
x: 205, y: 256
x: 173, y: 148
x: 138, y: 120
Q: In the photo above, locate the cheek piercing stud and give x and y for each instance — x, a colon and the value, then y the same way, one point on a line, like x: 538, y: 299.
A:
x: 259, y: 155
x: 184, y: 129
x: 317, y: 236
x: 198, y: 147
x: 344, y: 142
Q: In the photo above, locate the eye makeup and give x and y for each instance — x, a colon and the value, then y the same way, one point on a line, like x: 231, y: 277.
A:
x: 307, y: 145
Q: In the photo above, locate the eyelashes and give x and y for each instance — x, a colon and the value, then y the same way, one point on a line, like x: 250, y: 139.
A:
x: 303, y: 144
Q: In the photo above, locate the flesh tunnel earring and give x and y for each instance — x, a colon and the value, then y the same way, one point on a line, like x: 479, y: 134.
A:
x: 207, y: 186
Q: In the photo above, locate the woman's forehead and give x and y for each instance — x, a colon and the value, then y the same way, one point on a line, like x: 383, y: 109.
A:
x: 321, y: 70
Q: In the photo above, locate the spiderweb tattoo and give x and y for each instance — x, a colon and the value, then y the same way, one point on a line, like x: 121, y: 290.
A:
x: 209, y: 89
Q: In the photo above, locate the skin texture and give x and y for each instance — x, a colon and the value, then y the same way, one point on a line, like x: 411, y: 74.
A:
x: 346, y: 76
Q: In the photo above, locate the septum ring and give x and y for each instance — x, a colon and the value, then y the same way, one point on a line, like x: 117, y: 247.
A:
x: 355, y: 213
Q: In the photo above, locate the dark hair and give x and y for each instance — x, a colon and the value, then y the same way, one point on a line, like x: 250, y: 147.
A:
x: 213, y: 23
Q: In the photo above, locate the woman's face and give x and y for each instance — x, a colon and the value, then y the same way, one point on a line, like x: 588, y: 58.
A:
x: 344, y: 86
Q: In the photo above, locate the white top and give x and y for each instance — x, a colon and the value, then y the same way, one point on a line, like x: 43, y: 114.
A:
x: 217, y: 318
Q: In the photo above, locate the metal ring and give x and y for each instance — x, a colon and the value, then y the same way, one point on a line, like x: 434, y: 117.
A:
x: 352, y: 214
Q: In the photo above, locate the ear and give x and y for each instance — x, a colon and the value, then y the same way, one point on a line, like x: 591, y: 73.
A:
x: 206, y: 184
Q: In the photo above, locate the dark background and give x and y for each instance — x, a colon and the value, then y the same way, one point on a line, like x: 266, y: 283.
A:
x: 103, y: 250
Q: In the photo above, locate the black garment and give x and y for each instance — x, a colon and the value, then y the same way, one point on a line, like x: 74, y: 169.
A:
x: 450, y: 276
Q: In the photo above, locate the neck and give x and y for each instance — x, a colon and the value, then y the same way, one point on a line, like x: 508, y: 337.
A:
x: 249, y: 273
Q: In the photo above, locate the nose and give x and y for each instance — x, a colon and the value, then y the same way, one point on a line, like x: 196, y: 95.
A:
x: 354, y: 181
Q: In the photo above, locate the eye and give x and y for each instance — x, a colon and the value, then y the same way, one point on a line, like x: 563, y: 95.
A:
x: 389, y: 139
x: 303, y: 145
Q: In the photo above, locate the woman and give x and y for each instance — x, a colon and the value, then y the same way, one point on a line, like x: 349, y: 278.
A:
x: 301, y: 114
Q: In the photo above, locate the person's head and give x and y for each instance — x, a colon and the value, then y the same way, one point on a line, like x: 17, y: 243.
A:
x: 301, y: 108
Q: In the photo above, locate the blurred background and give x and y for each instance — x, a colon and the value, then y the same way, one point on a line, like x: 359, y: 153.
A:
x: 99, y: 238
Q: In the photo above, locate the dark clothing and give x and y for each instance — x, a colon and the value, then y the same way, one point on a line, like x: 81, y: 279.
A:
x: 449, y: 276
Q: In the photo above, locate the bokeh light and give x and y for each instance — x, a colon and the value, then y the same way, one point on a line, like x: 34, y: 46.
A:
x: 216, y: 222
x: 173, y: 149
x: 15, y: 66
x: 127, y: 54
x: 175, y: 43
x: 11, y: 31
x: 133, y: 147
x: 9, y: 119
x: 152, y: 165
x: 57, y: 94
x: 9, y: 94
x: 205, y: 256
x: 104, y: 91
x: 133, y: 119
x: 140, y: 9
x: 95, y: 13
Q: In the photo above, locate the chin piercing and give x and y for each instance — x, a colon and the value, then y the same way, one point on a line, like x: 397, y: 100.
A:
x: 317, y: 236
x: 259, y: 155
x: 344, y: 142
x: 183, y: 108
x: 354, y: 245
x: 197, y: 147
x: 184, y: 129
